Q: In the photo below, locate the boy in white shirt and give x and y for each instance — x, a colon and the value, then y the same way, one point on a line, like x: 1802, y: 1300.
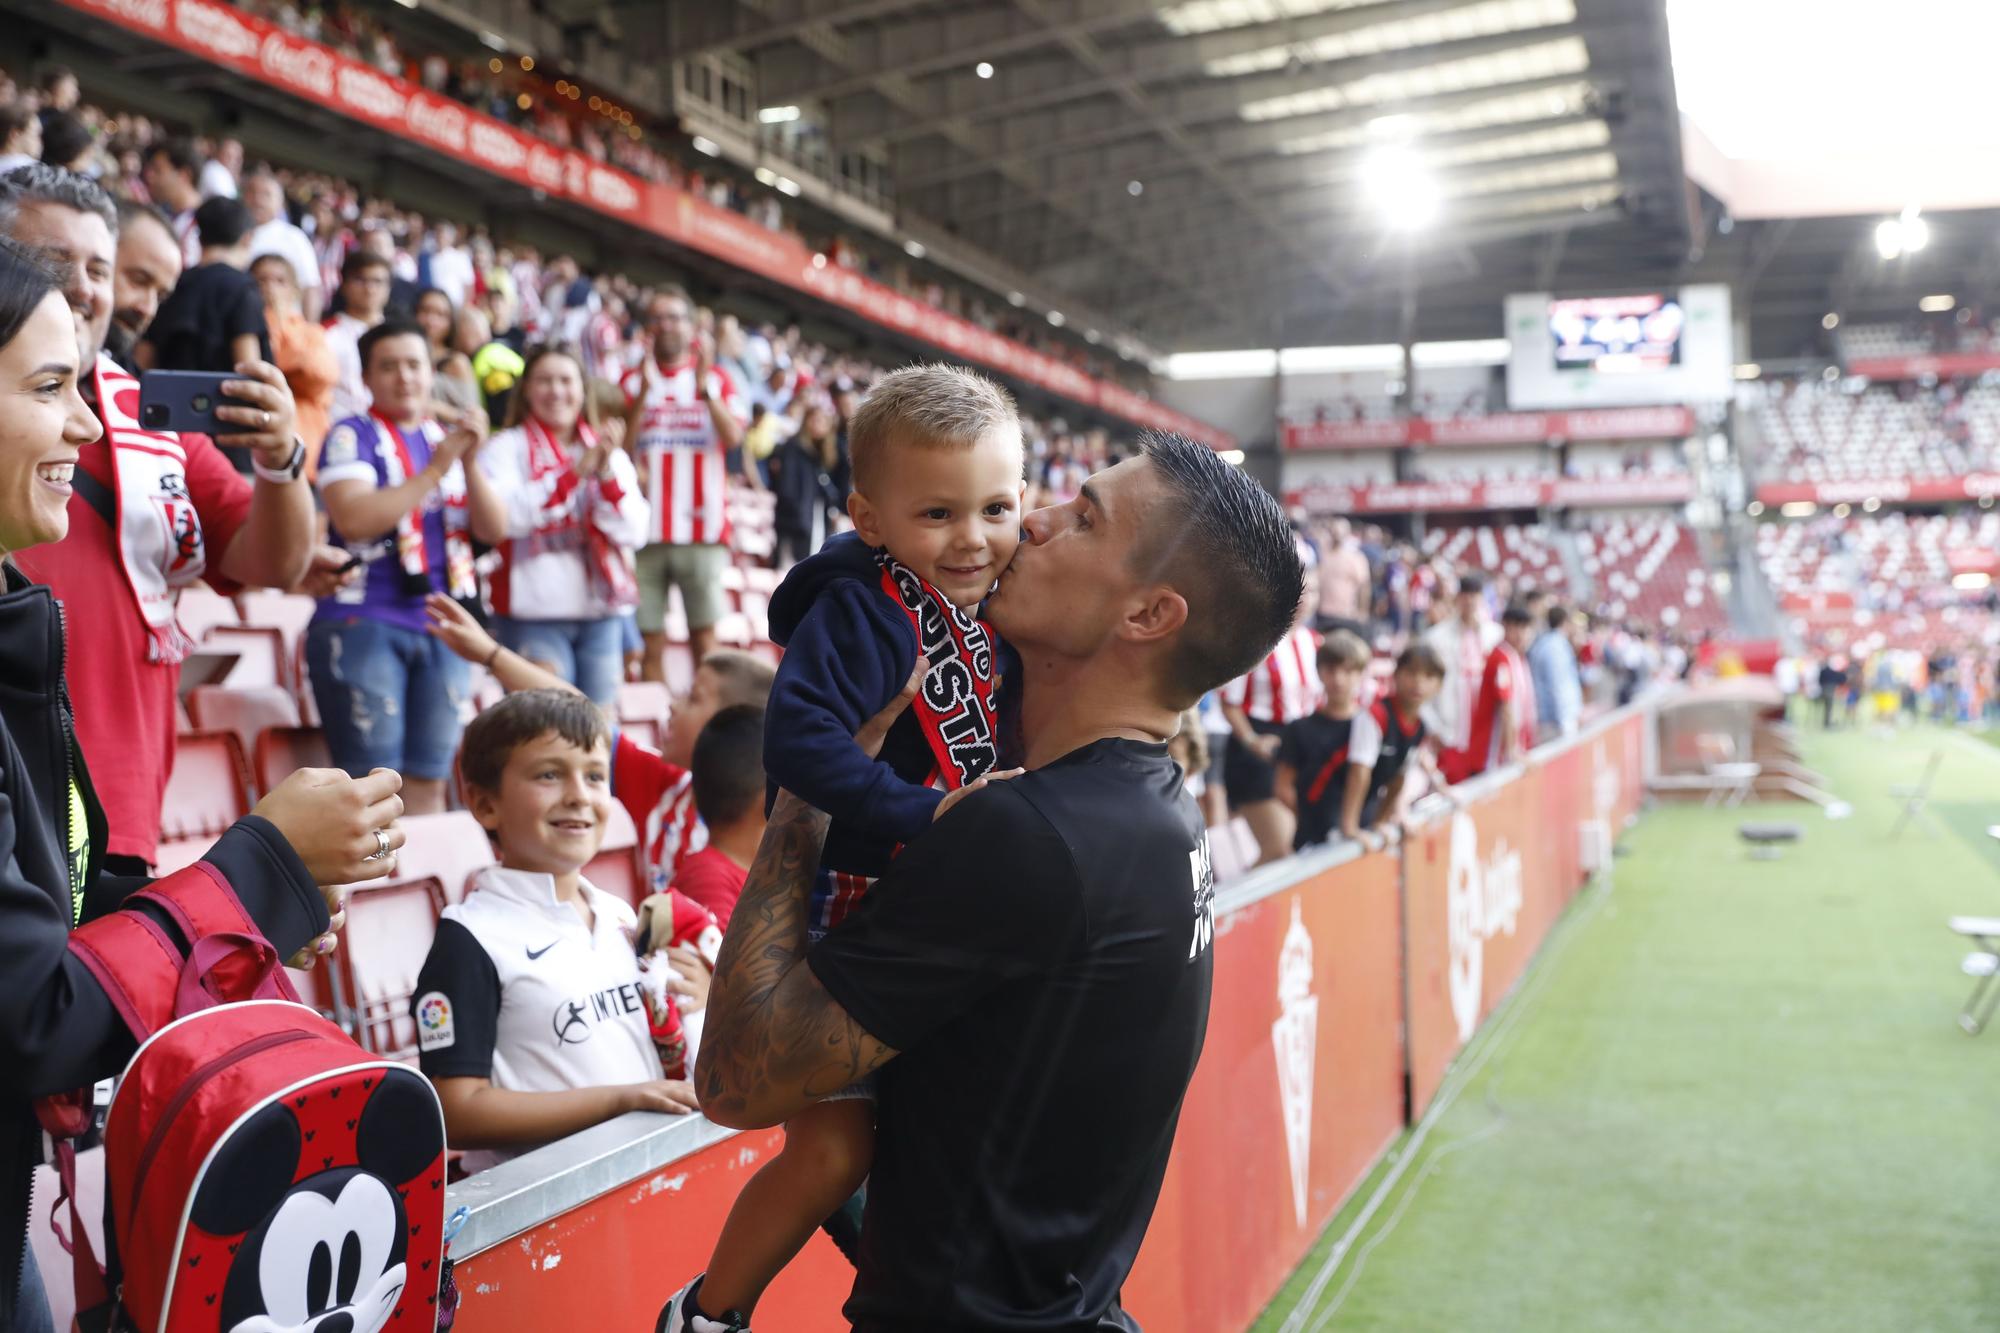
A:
x: 530, y: 1016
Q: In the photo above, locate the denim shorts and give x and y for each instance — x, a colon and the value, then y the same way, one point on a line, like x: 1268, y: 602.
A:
x: 589, y: 654
x: 388, y: 697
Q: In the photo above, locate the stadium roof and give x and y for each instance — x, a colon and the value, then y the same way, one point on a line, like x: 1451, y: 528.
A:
x: 1235, y: 172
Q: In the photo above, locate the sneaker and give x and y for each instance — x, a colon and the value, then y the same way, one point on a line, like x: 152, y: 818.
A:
x: 683, y: 1315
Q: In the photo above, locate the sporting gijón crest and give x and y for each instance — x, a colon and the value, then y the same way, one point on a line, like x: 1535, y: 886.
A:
x: 955, y: 705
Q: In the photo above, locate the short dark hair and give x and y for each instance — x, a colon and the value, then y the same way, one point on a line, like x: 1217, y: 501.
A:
x: 728, y: 764
x: 25, y: 282
x: 1471, y: 581
x: 1558, y: 615
x: 491, y: 738
x: 1516, y: 614
x: 131, y: 211
x: 1226, y: 547
x: 15, y: 117
x: 38, y: 182
x: 64, y: 139
x: 360, y: 261
x: 745, y: 678
x: 180, y: 154
x: 222, y: 221
x: 1423, y: 659
x: 389, y: 328
x: 1343, y: 648
x: 55, y: 74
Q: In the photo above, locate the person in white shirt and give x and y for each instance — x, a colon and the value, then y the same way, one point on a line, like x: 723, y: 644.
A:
x: 221, y: 171
x: 529, y: 1009
x: 275, y: 234
x: 575, y: 512
x: 1282, y: 688
x: 451, y: 265
x: 1463, y: 642
x: 364, y: 292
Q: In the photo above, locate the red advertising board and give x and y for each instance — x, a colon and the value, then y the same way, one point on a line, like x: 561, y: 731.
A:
x: 1446, y: 496
x: 1889, y: 490
x: 1300, y: 1088
x: 258, y: 49
x: 1944, y: 365
x: 1616, y: 423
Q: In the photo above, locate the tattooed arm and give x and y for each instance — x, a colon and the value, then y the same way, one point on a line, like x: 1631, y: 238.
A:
x: 774, y: 1040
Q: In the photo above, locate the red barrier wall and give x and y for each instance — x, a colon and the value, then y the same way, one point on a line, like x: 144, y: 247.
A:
x: 1300, y: 1088
x: 1326, y: 991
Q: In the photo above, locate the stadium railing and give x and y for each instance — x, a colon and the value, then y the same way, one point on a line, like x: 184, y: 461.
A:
x: 1346, y: 982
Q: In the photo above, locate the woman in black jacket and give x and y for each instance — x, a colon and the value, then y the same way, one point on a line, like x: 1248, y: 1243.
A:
x: 809, y: 485
x: 58, y: 1031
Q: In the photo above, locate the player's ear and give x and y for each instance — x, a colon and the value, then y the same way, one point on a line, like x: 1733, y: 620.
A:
x: 863, y: 514
x: 1155, y: 614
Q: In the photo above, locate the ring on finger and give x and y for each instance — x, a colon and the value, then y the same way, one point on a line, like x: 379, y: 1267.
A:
x: 264, y: 420
x: 381, y: 851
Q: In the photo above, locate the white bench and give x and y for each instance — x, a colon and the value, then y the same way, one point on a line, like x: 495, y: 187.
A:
x: 1982, y: 965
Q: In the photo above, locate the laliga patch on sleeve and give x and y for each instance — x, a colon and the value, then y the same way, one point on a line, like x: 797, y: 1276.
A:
x: 343, y: 445
x: 434, y: 1025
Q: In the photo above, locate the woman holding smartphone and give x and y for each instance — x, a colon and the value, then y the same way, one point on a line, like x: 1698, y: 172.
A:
x: 58, y: 1029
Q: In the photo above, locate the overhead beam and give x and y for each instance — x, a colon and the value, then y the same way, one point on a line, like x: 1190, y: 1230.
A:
x: 746, y: 25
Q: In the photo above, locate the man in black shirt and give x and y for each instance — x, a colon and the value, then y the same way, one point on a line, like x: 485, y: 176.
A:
x: 1032, y: 975
x: 214, y: 317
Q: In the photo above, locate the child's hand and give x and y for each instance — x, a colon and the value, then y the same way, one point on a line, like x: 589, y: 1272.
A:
x: 953, y: 798
x: 689, y: 978
x: 453, y: 626
x: 668, y: 1096
x: 876, y: 729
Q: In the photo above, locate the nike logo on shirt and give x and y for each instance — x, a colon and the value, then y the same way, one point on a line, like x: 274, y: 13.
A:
x: 533, y: 954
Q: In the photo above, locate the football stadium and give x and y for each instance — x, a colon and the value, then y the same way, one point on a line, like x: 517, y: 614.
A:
x: 992, y: 665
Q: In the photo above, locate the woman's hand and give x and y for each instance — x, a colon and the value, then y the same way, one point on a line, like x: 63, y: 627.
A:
x: 266, y: 409
x: 332, y: 822
x: 454, y: 627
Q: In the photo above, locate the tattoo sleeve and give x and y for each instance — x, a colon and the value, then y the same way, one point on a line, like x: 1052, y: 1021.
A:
x: 773, y: 1040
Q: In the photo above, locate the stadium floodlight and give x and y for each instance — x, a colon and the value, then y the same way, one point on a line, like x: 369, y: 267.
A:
x: 766, y: 176
x: 914, y: 249
x: 1937, y: 305
x: 786, y: 185
x: 1829, y: 321
x: 1756, y: 508
x: 1057, y: 318
x: 777, y: 115
x: 1016, y: 299
x: 1233, y: 457
x: 1904, y: 234
x: 1749, y: 370
x: 1135, y: 188
x: 1400, y: 187
x: 984, y: 69
x: 708, y: 146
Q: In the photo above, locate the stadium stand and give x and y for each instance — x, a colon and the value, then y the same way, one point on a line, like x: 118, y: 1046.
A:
x: 1819, y: 432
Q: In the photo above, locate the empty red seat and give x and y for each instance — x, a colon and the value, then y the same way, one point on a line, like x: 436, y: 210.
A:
x: 450, y: 847
x: 644, y: 701
x: 281, y: 751
x: 247, y: 711
x: 262, y: 657
x: 209, y: 788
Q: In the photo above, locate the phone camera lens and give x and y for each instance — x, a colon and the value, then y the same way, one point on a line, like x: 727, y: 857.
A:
x: 202, y: 402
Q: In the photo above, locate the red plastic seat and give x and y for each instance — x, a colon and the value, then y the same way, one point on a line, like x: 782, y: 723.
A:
x: 382, y: 948
x: 450, y: 847
x: 616, y: 869
x: 261, y: 654
x: 247, y: 711
x: 281, y: 751
x: 644, y: 701
x: 209, y: 788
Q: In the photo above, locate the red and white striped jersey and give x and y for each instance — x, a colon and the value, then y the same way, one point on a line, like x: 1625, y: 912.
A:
x: 660, y: 798
x: 687, y: 481
x: 1284, y: 685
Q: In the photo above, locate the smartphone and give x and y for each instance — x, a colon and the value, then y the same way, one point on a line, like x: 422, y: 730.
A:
x: 182, y: 402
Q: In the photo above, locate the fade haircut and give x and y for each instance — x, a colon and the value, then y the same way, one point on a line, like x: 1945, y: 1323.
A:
x: 744, y: 678
x: 38, y: 182
x: 180, y: 153
x: 1224, y: 544
x: 394, y: 327
x: 728, y: 765
x: 1423, y: 659
x: 1344, y: 648
x: 1517, y: 613
x: 519, y: 719
x: 929, y: 407
x: 360, y: 261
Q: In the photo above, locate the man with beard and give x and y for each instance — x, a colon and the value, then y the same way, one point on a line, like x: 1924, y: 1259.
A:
x: 147, y: 267
x: 150, y: 513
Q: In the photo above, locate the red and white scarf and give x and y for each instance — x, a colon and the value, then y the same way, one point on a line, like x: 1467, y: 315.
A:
x: 461, y: 582
x: 158, y: 532
x: 609, y: 564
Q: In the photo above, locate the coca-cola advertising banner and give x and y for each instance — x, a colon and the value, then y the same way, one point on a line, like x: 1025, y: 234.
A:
x: 1889, y: 490
x: 260, y: 50
x: 1405, y: 497
x: 1612, y: 423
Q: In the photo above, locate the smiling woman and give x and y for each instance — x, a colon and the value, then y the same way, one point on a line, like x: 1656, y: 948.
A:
x: 45, y: 421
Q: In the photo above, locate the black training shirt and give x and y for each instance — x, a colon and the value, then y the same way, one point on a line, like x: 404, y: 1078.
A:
x: 207, y: 310
x: 1041, y: 957
x: 1316, y: 748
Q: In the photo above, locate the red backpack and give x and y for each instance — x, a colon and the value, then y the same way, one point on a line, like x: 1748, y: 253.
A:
x: 262, y: 1171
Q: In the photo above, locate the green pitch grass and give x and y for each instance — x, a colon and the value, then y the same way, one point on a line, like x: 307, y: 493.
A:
x: 1732, y: 1094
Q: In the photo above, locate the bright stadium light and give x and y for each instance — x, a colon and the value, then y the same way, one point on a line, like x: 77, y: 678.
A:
x: 1829, y: 321
x: 1016, y: 299
x: 766, y: 176
x: 786, y: 185
x: 1057, y: 318
x: 1400, y: 187
x: 984, y: 69
x: 1904, y: 234
x: 1135, y: 188
x: 1937, y: 305
x: 1233, y: 457
x: 777, y: 115
x: 914, y: 249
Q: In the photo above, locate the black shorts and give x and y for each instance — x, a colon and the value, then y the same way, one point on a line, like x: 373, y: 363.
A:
x: 1245, y: 776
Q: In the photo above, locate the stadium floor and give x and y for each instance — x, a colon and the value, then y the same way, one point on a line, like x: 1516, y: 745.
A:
x: 1731, y: 1095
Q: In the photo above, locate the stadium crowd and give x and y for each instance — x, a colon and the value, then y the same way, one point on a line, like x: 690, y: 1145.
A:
x: 476, y: 457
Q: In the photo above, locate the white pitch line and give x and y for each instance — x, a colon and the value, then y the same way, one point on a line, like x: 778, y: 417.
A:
x: 1488, y: 1041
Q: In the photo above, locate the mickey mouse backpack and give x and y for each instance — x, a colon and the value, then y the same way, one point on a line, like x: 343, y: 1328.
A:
x: 264, y: 1174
